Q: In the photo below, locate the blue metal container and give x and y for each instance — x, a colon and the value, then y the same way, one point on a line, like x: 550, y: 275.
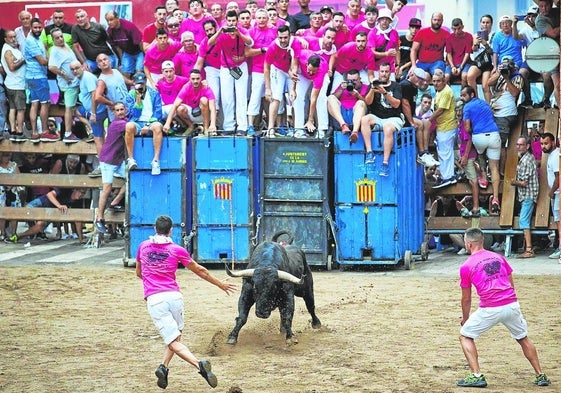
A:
x: 139, y: 233
x: 223, y: 195
x: 172, y: 154
x: 378, y: 218
x: 295, y: 194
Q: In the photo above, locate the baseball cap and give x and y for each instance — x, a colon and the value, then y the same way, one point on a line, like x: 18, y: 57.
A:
x: 459, y: 103
x: 505, y: 18
x: 533, y: 10
x: 167, y: 64
x: 414, y: 22
x: 420, y: 73
x: 326, y: 8
x: 385, y: 13
x: 139, y: 77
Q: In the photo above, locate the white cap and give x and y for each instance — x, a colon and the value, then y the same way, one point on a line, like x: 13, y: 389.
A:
x: 533, y: 10
x: 167, y: 64
x: 385, y: 13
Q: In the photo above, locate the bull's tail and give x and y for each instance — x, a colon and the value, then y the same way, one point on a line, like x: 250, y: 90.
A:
x: 278, y: 234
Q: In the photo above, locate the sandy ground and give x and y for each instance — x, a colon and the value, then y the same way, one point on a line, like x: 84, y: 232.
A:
x: 86, y: 329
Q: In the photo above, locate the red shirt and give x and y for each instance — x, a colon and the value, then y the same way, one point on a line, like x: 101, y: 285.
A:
x: 432, y: 44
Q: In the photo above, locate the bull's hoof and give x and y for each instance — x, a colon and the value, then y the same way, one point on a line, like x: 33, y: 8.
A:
x: 231, y: 340
x: 316, y: 324
x: 291, y: 341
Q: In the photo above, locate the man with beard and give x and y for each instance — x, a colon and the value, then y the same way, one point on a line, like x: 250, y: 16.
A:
x: 89, y: 39
x: 353, y: 56
x: 428, y: 47
x: 208, y: 61
x: 58, y: 23
x: 548, y: 146
x: 149, y: 32
x: 384, y: 109
x: 126, y: 40
x: 36, y: 80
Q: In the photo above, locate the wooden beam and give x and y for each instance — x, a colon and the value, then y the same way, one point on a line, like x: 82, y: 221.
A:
x: 489, y: 223
x: 81, y: 147
x: 464, y: 189
x: 63, y: 181
x: 543, y: 202
x: 53, y: 214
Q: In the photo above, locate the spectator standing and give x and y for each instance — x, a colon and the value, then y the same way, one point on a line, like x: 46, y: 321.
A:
x: 547, y: 24
x: 209, y: 61
x: 169, y: 86
x: 404, y: 54
x: 527, y: 185
x: 186, y: 58
x: 10, y: 167
x: 384, y: 41
x: 354, y: 15
x: 157, y: 260
x: 89, y: 40
x: 341, y: 31
x: 149, y: 32
x: 13, y: 62
x: 368, y: 24
x: 58, y: 23
x: 155, y: 55
x: 38, y: 90
x: 384, y: 109
x: 428, y: 47
x: 126, y: 40
x: 173, y: 29
x: 282, y: 12
x: 444, y: 116
x: 196, y: 20
x: 315, y: 25
x: 354, y: 55
x: 458, y: 49
x: 548, y: 147
x: 24, y: 29
x: 217, y: 12
x: 111, y: 86
x: 302, y: 18
x: 491, y: 276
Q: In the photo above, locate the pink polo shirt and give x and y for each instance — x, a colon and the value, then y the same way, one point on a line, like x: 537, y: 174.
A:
x: 348, y: 58
x: 262, y: 38
x: 168, y: 90
x: 192, y: 97
x: 282, y: 57
x: 154, y: 57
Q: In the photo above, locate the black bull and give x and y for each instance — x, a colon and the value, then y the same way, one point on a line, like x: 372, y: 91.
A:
x: 271, y: 281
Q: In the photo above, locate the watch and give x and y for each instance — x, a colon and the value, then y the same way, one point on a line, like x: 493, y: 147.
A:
x: 263, y: 50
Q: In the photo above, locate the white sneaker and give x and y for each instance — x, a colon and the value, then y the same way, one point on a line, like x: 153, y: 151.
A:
x: 555, y: 254
x: 462, y: 251
x: 156, y: 168
x: 131, y: 164
x: 429, y: 161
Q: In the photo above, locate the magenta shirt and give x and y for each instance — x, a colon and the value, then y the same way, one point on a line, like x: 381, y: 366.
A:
x: 341, y: 37
x: 154, y: 57
x: 360, y: 28
x: 210, y: 54
x: 168, y: 91
x: 282, y: 57
x: 195, y: 27
x: 351, y: 23
x: 347, y: 100
x: 262, y: 38
x: 159, y: 265
x: 464, y: 137
x: 489, y: 273
x: 231, y: 46
x: 348, y: 58
x: 185, y: 62
x: 314, y: 44
x: 318, y: 78
x: 192, y: 97
x: 377, y: 40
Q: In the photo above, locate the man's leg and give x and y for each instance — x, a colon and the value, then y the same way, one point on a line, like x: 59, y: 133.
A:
x: 105, y: 191
x: 44, y: 115
x: 241, y: 99
x: 157, y: 135
x: 130, y: 132
x: 33, y: 113
x: 334, y: 109
x: 388, y: 129
x: 531, y: 353
x: 359, y: 110
x: 366, y: 124
x: 470, y: 352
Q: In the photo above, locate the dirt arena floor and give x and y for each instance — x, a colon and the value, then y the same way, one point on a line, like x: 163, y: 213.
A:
x: 83, y: 329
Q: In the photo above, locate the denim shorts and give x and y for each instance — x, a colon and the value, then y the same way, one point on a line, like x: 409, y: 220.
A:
x: 109, y: 170
x: 132, y: 63
x: 526, y: 209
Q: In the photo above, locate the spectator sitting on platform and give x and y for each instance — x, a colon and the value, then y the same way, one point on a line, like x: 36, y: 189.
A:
x: 346, y: 106
x: 144, y: 119
x: 164, y: 49
x: 112, y: 162
x: 428, y: 47
x: 194, y: 103
x: 547, y: 24
x: 403, y: 60
x: 169, y: 86
x: 458, y: 48
x: 384, y: 109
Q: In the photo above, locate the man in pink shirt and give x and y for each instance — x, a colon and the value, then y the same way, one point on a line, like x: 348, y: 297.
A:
x: 231, y: 40
x: 354, y: 15
x: 341, y: 31
x: 194, y: 104
x: 491, y: 276
x: 149, y: 32
x: 196, y: 20
x: 263, y: 35
x: 186, y: 58
x: 163, y: 50
x: 384, y: 41
x: 368, y: 24
x: 157, y: 260
x: 353, y: 56
x: 278, y: 59
x: 316, y: 22
x: 323, y: 46
x: 312, y: 71
x: 169, y: 85
x: 208, y: 61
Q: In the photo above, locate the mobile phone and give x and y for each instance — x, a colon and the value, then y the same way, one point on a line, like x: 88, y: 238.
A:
x: 483, y: 34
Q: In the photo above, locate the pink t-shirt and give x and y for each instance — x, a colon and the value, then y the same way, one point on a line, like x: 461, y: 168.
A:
x: 347, y: 100
x: 380, y: 42
x: 341, y: 36
x: 168, y: 90
x: 195, y: 27
x: 231, y: 45
x: 192, y: 97
x: 318, y: 78
x: 464, y: 137
x: 185, y: 62
x: 351, y: 23
x: 489, y: 273
x: 211, y: 54
x: 262, y: 38
x: 431, y: 44
x: 154, y: 57
x: 362, y: 27
x: 315, y: 44
x: 159, y: 265
x: 281, y: 57
x: 348, y: 58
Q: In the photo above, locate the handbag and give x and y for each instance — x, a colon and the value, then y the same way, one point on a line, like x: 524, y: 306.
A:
x: 483, y: 60
x: 236, y: 72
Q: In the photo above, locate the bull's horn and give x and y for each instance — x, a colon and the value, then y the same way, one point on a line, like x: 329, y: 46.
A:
x: 289, y: 277
x: 240, y: 273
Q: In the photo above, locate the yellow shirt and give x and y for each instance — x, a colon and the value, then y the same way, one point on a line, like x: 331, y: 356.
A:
x: 445, y: 99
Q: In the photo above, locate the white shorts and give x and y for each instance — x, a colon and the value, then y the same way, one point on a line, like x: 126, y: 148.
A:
x: 490, y: 143
x: 166, y: 310
x: 484, y: 319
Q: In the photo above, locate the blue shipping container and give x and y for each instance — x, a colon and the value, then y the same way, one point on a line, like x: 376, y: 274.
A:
x: 139, y: 233
x: 172, y: 154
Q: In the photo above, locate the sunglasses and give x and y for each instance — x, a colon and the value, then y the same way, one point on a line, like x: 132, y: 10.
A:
x: 172, y: 26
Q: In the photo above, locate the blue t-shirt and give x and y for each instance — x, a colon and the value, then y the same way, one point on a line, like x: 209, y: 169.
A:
x: 481, y: 116
x: 506, y: 45
x: 34, y: 47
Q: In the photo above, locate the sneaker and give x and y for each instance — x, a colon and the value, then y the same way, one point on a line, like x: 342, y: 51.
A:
x: 384, y: 170
x: 483, y: 183
x: 427, y: 160
x: 495, y: 206
x: 162, y: 374
x: 471, y: 381
x: 369, y: 158
x: 300, y: 134
x: 250, y: 131
x: 205, y: 371
x: 345, y: 128
x: 117, y: 208
x: 48, y: 137
x: 74, y: 236
x: 353, y: 137
x: 497, y: 247
x: 462, y: 251
x: 71, y: 139
x: 555, y: 254
x: 270, y: 133
x: 14, y: 238
x: 541, y: 380
x: 35, y: 138
x: 18, y: 138
x: 281, y: 131
x: 100, y: 226
x: 66, y: 236
x: 475, y: 213
x: 89, y: 139
x: 131, y: 164
x: 321, y: 134
x: 156, y: 168
x: 441, y: 183
x: 95, y: 173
